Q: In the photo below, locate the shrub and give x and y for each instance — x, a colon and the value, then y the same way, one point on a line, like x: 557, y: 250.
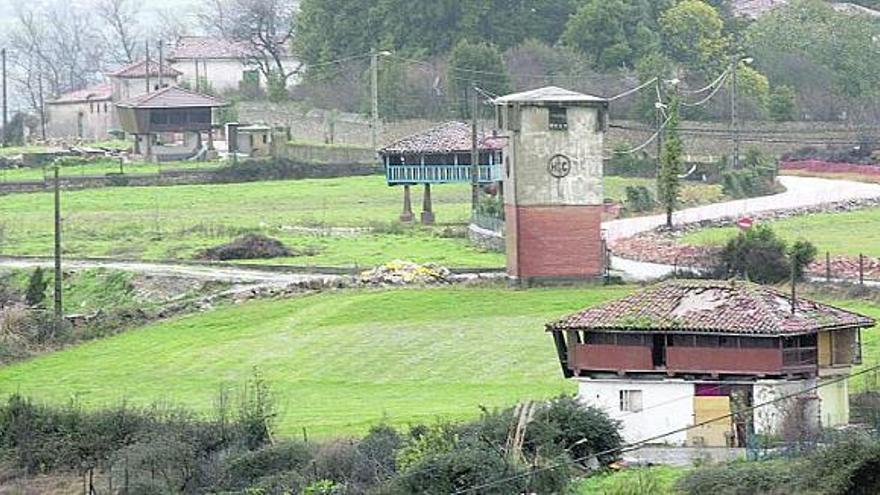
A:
x: 626, y: 164
x: 848, y: 465
x: 568, y: 426
x: 36, y: 288
x: 465, y: 467
x: 738, y: 478
x: 639, y: 198
x: 760, y: 256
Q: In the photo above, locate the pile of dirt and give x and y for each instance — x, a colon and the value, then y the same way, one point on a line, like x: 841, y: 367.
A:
x: 246, y: 247
x: 399, y: 272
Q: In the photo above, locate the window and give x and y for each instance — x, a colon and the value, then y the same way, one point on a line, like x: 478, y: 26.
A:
x: 629, y: 339
x: 729, y: 342
x: 265, y: 139
x: 631, y: 400
x: 558, y: 119
x: 758, y: 343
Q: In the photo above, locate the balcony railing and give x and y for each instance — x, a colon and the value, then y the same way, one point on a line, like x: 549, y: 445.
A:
x: 799, y: 357
x: 440, y: 174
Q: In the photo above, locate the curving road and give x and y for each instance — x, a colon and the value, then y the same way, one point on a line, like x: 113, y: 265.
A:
x: 800, y: 192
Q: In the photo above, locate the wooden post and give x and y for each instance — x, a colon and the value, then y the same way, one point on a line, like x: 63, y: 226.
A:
x: 828, y: 266
x: 59, y: 309
x: 407, y: 214
x: 427, y: 210
x: 475, y: 153
x: 861, y: 269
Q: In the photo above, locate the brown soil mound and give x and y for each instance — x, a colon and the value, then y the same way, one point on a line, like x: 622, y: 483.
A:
x: 246, y: 247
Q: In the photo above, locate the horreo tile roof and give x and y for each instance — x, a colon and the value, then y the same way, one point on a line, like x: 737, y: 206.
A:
x: 100, y: 92
x: 172, y: 97
x: 445, y: 138
x: 700, y: 306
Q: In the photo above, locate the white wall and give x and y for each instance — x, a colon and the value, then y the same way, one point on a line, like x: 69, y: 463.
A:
x: 222, y: 74
x: 667, y: 405
x: 63, y: 118
x: 769, y: 419
x: 834, y: 404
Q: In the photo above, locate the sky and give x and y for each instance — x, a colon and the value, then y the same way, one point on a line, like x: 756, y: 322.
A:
x: 8, y: 7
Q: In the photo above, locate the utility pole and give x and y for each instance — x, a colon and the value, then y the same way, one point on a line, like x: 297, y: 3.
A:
x: 42, y: 105
x: 659, y: 124
x: 5, y: 99
x: 475, y: 152
x: 374, y: 89
x: 734, y: 125
x: 147, y: 64
x: 161, y: 63
x: 59, y: 309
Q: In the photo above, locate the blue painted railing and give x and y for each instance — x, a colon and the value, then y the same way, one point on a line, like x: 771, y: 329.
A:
x: 439, y: 174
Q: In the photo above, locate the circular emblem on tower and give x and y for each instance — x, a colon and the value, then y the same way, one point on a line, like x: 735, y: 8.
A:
x: 559, y: 165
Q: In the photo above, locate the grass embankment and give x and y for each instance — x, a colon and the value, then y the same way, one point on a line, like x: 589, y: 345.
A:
x: 176, y: 222
x: 338, y: 361
x: 84, y: 291
x: 101, y: 167
x: 658, y: 480
x: 848, y: 233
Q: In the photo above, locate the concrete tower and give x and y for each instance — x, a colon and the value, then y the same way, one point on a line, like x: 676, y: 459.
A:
x: 553, y: 185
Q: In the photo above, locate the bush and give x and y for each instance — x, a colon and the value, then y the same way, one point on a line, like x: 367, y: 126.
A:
x: 568, y: 426
x: 760, y: 256
x: 639, y: 199
x: 738, y: 478
x: 848, y: 465
x: 246, y: 247
x: 36, y: 288
x: 630, y: 164
x: 465, y: 467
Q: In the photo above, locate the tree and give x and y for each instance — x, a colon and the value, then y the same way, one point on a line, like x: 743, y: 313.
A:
x: 264, y: 28
x: 654, y: 65
x: 613, y: 33
x: 693, y: 35
x: 759, y: 255
x: 36, y: 288
x: 477, y: 64
x: 123, y: 30
x: 781, y: 104
x: 670, y: 164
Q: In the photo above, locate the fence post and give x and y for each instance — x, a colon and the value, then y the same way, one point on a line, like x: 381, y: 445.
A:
x: 828, y: 266
x: 861, y: 269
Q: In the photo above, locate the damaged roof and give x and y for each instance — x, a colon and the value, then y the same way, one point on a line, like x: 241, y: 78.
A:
x: 445, y: 138
x: 712, y: 306
x: 550, y: 95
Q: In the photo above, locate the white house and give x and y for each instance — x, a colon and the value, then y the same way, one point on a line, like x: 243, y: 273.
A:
x: 711, y: 363
x: 134, y: 79
x: 86, y: 114
x: 222, y: 63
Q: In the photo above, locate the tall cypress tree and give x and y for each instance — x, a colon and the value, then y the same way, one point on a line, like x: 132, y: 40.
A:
x: 668, y: 184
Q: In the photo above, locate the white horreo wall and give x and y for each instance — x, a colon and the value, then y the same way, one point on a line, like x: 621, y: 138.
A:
x: 667, y: 405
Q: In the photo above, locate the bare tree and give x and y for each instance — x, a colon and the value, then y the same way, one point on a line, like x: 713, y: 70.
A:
x: 123, y: 27
x: 170, y: 25
x: 264, y: 28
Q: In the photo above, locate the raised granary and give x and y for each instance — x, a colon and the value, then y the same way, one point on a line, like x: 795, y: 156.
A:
x: 713, y: 347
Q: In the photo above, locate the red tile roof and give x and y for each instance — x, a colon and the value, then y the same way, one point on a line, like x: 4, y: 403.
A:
x: 139, y: 70
x: 99, y: 92
x: 445, y: 138
x: 191, y: 47
x: 172, y: 97
x: 700, y: 306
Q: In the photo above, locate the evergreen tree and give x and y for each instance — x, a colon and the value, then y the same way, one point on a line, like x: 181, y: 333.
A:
x: 36, y: 289
x: 670, y: 164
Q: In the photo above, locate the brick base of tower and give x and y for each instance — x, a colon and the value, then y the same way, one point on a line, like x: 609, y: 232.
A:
x: 554, y: 244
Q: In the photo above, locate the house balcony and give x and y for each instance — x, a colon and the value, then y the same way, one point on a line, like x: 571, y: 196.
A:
x: 440, y: 174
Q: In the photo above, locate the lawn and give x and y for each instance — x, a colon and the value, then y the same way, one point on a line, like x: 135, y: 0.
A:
x: 100, y: 167
x: 175, y: 222
x: 659, y: 480
x: 338, y: 361
x: 848, y: 233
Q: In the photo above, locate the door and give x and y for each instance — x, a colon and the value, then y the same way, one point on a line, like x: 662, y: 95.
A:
x: 658, y: 351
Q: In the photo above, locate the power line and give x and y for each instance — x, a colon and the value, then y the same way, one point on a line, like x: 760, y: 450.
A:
x: 635, y: 445
x: 709, y: 97
x: 634, y: 90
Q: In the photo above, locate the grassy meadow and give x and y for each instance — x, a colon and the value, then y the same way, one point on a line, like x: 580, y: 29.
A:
x: 848, y: 233
x: 337, y: 361
x: 100, y: 167
x: 176, y: 222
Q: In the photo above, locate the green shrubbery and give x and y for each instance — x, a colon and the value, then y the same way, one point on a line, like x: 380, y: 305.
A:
x: 161, y: 450
x: 630, y: 164
x: 761, y: 256
x: 757, y: 177
x: 639, y: 199
x: 846, y: 464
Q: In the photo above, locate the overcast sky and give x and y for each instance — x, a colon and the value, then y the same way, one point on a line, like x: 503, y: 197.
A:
x: 8, y: 7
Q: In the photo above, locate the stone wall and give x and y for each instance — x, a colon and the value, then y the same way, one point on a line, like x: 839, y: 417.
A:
x: 486, y: 239
x: 327, y: 154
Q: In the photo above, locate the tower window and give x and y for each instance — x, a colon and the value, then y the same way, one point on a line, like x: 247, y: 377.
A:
x: 558, y: 119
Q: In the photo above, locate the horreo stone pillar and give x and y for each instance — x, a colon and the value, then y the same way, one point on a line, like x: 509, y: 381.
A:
x: 427, y: 209
x: 407, y: 214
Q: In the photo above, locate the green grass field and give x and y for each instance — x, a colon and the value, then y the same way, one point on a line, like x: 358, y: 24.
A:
x: 659, y: 480
x: 338, y: 361
x: 176, y: 222
x: 101, y: 167
x: 848, y: 233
